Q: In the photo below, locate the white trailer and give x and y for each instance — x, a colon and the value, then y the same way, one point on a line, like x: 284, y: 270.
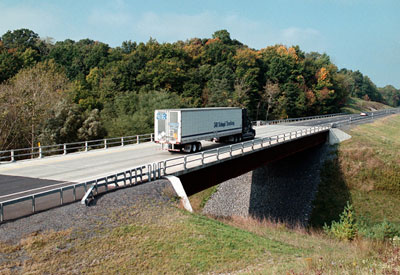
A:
x: 182, y: 129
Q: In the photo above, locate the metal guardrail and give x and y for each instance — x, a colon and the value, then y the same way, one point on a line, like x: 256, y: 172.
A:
x: 354, y: 119
x: 152, y: 171
x: 289, y: 120
x: 82, y: 146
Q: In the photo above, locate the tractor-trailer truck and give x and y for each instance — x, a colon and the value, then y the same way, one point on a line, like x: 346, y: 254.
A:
x: 182, y: 129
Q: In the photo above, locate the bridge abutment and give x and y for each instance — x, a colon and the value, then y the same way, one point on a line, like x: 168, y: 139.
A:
x: 279, y: 191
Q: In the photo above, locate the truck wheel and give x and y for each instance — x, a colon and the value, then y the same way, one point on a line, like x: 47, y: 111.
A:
x: 194, y: 147
x: 188, y: 148
x: 199, y: 147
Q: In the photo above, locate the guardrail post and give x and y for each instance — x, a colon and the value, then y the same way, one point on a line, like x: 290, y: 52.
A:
x: 217, y: 153
x: 65, y: 149
x: 151, y: 137
x: 33, y: 204
x: 40, y: 152
x: 184, y: 162
x: 61, y: 196
x: 230, y: 151
x: 165, y: 167
x: 137, y: 139
x: 86, y: 146
x: 202, y: 158
x: 105, y: 143
x: 141, y: 173
x: 242, y: 148
x: 122, y: 141
x: 149, y: 172
x: 74, y: 192
x: 1, y: 212
x: 12, y: 156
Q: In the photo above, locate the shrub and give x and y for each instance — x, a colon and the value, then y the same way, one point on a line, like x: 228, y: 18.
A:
x: 382, y: 231
x: 346, y: 228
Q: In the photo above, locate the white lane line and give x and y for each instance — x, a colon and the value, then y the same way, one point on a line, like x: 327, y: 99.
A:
x: 35, y: 189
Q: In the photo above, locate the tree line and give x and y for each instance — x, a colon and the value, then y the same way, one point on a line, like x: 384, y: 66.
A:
x: 70, y: 91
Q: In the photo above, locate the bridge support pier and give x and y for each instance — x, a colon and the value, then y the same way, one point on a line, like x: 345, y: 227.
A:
x: 180, y: 191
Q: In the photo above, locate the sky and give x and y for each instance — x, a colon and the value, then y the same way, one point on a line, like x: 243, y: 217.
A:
x: 359, y: 35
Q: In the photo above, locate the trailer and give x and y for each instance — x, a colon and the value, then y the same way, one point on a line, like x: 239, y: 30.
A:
x: 183, y: 129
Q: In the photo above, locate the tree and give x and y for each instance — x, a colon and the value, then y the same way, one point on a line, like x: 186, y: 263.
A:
x: 269, y: 96
x: 223, y: 35
x: 92, y: 127
x: 10, y: 130
x: 133, y: 113
x: 10, y: 64
x: 35, y: 91
x: 219, y: 93
x: 20, y: 39
x: 240, y: 96
x: 63, y: 124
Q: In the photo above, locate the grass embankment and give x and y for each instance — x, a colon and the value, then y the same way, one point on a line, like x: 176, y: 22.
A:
x: 170, y: 240
x: 366, y: 172
x: 356, y: 105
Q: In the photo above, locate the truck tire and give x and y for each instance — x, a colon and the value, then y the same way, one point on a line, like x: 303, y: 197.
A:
x: 188, y: 148
x: 194, y: 147
x: 199, y: 146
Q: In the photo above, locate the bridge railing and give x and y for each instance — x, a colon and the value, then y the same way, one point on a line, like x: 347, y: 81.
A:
x: 289, y: 120
x: 66, y: 148
x: 174, y: 166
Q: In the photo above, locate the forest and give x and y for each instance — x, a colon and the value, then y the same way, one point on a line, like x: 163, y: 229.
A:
x: 67, y: 91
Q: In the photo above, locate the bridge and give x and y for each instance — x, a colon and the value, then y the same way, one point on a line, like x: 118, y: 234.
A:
x: 34, y: 185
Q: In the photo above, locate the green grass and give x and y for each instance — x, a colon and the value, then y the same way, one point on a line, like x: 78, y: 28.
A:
x: 199, y: 200
x: 371, y: 159
x: 168, y: 240
x: 365, y: 172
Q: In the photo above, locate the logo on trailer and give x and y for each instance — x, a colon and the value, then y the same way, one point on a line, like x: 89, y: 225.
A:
x: 161, y: 116
x: 218, y: 124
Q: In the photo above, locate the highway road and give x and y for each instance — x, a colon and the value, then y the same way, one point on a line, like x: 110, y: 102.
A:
x: 85, y: 166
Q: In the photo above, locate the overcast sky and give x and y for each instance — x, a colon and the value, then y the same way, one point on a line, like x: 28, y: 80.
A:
x: 359, y: 35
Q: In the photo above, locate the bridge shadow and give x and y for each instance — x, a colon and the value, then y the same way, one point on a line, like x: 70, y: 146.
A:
x: 332, y: 197
x: 286, y: 190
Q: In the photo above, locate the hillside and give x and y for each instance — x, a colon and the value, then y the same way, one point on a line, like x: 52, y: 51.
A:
x: 356, y: 105
x: 366, y: 172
